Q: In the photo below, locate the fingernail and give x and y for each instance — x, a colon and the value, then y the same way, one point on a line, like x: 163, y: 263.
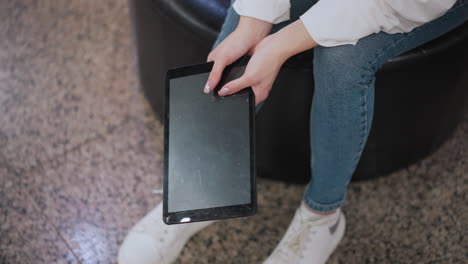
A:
x: 223, y: 91
x: 207, y: 86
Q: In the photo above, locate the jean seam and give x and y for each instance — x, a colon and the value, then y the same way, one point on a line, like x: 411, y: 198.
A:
x: 364, y: 114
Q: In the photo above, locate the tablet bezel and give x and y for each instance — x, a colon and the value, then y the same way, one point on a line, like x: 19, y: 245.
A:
x: 222, y: 212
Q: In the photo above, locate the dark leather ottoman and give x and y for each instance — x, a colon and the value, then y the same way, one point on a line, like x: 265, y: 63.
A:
x: 419, y: 95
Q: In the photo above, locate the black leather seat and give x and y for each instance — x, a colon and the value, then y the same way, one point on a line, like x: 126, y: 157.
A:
x: 419, y: 99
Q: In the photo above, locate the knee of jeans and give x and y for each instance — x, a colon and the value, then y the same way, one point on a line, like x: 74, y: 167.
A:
x: 342, y: 64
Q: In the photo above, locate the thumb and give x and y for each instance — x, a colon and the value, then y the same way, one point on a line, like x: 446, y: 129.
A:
x: 235, y: 85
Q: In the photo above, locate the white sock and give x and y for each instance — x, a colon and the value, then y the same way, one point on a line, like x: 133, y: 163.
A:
x: 309, y: 214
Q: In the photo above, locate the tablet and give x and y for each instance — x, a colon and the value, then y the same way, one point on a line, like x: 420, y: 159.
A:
x: 209, y: 147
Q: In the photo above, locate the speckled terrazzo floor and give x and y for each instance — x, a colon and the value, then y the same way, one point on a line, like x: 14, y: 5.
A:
x: 81, y: 152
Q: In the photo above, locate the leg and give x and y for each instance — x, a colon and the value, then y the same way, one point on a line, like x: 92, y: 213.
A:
x: 342, y: 107
x: 341, y: 117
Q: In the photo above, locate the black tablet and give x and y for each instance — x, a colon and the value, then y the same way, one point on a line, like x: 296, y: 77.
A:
x: 209, y: 147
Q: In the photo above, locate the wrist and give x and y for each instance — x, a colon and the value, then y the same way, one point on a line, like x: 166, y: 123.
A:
x: 293, y: 39
x: 254, y: 28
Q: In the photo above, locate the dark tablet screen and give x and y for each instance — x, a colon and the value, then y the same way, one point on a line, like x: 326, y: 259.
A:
x: 209, y: 163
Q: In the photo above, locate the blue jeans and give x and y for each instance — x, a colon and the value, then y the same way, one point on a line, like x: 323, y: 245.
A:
x: 343, y: 100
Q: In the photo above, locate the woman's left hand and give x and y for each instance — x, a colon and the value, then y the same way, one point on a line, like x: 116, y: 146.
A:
x: 260, y: 73
x: 267, y: 59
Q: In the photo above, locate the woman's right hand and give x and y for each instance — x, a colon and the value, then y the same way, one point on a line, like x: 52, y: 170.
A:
x: 248, y: 33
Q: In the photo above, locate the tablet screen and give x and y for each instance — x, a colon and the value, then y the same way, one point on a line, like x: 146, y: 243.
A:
x: 209, y: 148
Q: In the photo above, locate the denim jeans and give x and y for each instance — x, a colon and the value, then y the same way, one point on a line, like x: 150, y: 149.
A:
x: 343, y: 101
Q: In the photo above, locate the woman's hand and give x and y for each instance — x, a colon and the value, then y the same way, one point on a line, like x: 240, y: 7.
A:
x: 268, y: 56
x: 261, y: 71
x: 249, y: 32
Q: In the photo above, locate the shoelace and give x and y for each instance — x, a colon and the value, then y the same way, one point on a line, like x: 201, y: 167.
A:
x: 296, y: 243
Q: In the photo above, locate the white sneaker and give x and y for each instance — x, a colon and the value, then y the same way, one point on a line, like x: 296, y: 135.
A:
x: 309, y: 240
x: 151, y: 241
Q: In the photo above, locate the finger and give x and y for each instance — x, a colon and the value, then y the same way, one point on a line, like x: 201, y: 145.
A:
x: 251, y: 51
x: 258, y: 100
x: 215, y: 75
x: 261, y: 92
x: 210, y: 57
x: 235, y: 85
